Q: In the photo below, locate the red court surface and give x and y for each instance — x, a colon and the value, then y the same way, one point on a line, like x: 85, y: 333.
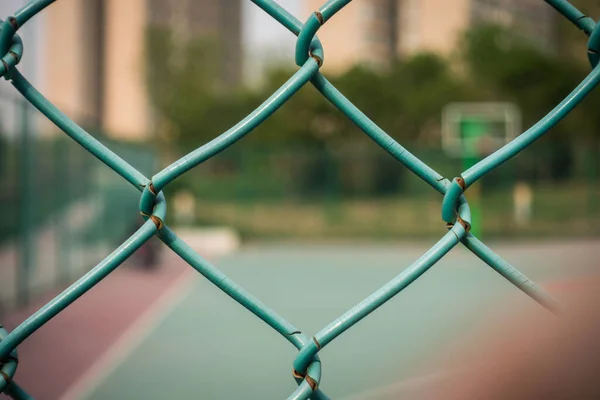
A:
x: 57, y: 355
x: 425, y: 342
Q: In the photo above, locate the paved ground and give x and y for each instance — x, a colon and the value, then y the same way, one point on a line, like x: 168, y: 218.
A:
x: 57, y: 356
x: 203, y: 345
x: 46, y: 243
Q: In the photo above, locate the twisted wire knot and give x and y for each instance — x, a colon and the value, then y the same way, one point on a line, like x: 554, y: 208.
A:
x: 455, y: 208
x: 308, y: 44
x: 594, y: 46
x: 8, y: 364
x: 153, y: 205
x: 11, y: 45
x: 307, y: 365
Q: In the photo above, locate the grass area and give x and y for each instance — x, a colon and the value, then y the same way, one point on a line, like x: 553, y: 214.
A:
x: 558, y: 210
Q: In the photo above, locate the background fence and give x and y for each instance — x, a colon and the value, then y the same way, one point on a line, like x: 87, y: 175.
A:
x: 359, y: 192
x: 309, y: 57
x: 61, y: 211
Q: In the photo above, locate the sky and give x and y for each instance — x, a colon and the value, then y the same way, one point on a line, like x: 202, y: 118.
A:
x: 8, y: 8
x: 29, y: 66
x: 260, y: 28
x: 266, y: 41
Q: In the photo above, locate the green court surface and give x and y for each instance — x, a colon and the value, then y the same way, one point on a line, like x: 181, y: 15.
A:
x: 209, y: 347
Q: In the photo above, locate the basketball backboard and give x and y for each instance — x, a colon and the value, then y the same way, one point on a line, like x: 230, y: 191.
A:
x: 478, y: 129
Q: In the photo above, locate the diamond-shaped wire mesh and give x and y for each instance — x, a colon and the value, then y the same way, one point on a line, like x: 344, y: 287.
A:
x: 309, y: 57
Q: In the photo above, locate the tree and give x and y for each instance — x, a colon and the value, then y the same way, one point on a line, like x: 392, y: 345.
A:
x: 406, y: 99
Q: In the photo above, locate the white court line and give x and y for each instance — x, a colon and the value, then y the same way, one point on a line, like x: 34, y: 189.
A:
x: 132, y: 338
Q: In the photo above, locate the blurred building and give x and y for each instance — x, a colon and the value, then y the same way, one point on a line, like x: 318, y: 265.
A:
x: 94, y: 51
x: 535, y: 20
x: 220, y: 21
x: 31, y: 66
x: 364, y: 32
x: 374, y: 31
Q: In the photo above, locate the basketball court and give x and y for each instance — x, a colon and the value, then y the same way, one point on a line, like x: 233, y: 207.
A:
x: 126, y: 333
x: 195, y: 342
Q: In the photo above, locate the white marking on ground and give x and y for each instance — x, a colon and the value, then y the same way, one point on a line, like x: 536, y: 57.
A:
x: 132, y: 338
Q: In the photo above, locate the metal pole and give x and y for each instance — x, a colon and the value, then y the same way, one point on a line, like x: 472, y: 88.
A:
x: 61, y: 197
x: 26, y: 237
x: 474, y: 197
x: 473, y: 129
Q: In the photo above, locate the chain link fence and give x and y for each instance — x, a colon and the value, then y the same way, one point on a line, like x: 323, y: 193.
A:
x: 309, y: 57
x: 63, y: 210
x: 357, y: 192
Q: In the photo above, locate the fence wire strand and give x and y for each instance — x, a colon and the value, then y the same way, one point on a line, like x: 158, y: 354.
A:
x: 309, y: 57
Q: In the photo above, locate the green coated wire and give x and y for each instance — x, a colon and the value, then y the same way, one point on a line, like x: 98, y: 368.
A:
x: 570, y: 12
x: 307, y: 369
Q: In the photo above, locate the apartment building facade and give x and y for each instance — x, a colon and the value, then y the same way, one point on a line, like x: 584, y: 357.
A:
x: 94, y: 54
x: 373, y: 32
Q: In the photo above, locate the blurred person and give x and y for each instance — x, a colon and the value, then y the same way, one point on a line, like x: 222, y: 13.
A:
x: 147, y: 257
x: 523, y: 201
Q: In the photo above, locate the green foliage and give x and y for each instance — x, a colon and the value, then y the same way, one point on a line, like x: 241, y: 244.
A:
x: 183, y: 88
x: 405, y: 99
x: 506, y: 67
